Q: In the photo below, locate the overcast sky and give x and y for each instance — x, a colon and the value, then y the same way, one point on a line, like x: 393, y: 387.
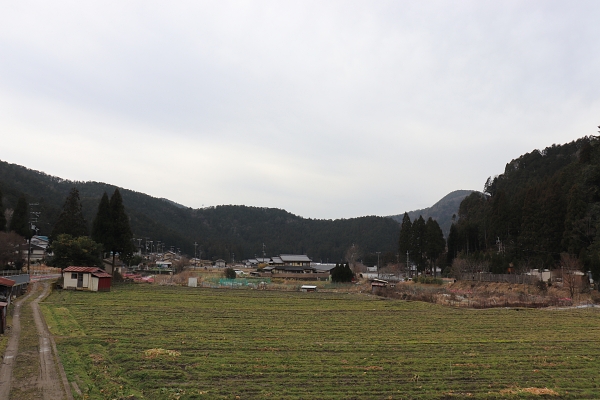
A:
x: 328, y: 109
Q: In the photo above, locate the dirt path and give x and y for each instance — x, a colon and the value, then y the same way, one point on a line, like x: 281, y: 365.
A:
x: 51, y: 382
x: 11, y: 349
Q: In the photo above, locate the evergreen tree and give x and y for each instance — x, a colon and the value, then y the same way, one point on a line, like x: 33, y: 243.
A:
x: 120, y: 242
x: 434, y: 243
x: 75, y: 251
x: 71, y: 220
x: 404, y: 242
x: 102, y: 225
x: 348, y: 274
x: 452, y: 245
x: 2, y: 217
x: 19, y: 222
x: 342, y: 273
x: 418, y: 242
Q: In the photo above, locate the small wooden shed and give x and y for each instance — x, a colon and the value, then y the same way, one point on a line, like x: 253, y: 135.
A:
x: 6, y: 289
x: 377, y: 283
x: 86, y: 278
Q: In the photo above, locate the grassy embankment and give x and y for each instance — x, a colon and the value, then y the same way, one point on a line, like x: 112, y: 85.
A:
x: 184, y: 343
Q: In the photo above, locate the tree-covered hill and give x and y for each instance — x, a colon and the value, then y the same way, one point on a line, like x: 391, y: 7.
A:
x: 442, y: 211
x: 220, y: 231
x: 545, y: 203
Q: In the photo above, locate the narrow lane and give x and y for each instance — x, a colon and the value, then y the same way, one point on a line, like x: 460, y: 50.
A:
x: 11, y: 349
x: 50, y: 382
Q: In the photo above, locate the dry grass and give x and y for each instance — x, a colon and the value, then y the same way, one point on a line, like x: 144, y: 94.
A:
x: 486, y: 295
x: 153, y: 353
x: 530, y: 390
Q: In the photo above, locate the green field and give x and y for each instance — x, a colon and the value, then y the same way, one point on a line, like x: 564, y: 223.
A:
x: 153, y: 342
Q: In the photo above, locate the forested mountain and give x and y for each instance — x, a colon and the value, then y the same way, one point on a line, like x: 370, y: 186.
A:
x: 442, y: 211
x: 220, y: 231
x: 545, y: 203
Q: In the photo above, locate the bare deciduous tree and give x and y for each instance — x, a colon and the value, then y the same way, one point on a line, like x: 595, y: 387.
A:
x: 352, y: 255
x: 570, y: 267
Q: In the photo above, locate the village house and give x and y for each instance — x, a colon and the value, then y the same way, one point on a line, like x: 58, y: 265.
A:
x: 292, y: 266
x: 86, y: 278
x: 108, y: 267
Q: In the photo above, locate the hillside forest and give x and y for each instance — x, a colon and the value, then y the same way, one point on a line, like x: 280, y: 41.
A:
x: 544, y: 206
x: 228, y: 232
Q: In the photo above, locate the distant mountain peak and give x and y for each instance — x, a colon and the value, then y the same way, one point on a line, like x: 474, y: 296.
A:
x: 442, y: 211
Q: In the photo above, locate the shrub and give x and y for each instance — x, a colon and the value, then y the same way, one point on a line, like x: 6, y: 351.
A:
x: 542, y: 286
x: 229, y: 273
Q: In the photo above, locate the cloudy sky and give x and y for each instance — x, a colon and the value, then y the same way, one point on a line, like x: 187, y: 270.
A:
x: 328, y: 109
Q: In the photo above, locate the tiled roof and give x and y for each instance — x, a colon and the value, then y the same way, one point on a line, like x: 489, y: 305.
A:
x: 83, y: 269
x: 294, y: 258
x: 290, y: 268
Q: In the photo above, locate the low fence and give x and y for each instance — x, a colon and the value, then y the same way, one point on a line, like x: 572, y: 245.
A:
x: 312, y: 276
x: 501, y: 278
x: 10, y: 272
x: 239, y: 283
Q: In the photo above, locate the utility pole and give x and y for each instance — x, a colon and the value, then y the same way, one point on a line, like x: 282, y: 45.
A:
x: 378, y: 253
x: 264, y: 253
x: 195, y: 258
x: 33, y: 218
x: 408, y: 265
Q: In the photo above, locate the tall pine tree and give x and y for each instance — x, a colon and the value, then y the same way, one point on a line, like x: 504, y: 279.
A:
x: 102, y: 225
x: 121, y: 231
x: 418, y: 242
x: 434, y: 243
x: 453, y: 243
x: 71, y: 220
x: 404, y: 242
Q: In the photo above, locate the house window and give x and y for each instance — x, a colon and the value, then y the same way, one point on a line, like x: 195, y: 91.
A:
x: 73, y: 275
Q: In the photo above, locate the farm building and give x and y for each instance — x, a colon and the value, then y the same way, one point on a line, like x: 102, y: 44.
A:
x: 108, y: 267
x: 308, y: 288
x: 378, y: 283
x: 6, y: 289
x: 86, y: 278
x: 21, y: 283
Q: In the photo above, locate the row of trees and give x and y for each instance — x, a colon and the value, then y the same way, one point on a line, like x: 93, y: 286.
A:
x: 421, y: 242
x: 110, y: 234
